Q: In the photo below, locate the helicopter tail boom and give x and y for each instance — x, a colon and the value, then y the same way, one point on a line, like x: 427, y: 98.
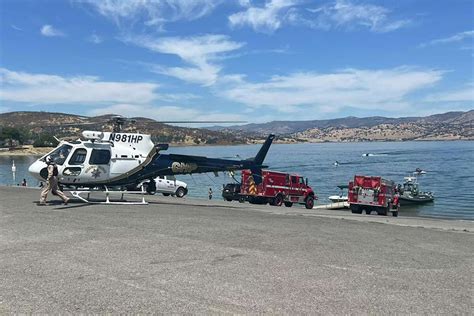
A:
x: 262, y: 153
x: 172, y: 164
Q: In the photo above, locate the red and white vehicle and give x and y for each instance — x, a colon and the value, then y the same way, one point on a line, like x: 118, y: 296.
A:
x: 367, y: 194
x: 277, y: 188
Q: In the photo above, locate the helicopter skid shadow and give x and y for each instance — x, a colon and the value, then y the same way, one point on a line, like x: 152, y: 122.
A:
x: 55, y: 204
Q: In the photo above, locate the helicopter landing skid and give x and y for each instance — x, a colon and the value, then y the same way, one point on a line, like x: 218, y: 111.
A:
x: 77, y: 194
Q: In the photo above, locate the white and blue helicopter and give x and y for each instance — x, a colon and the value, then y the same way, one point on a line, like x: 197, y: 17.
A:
x: 117, y: 160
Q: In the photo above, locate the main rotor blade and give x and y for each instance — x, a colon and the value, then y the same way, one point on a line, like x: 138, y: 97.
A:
x: 200, y: 122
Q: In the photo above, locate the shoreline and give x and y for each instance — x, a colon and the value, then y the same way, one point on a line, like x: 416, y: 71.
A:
x: 39, y: 151
x: 457, y: 224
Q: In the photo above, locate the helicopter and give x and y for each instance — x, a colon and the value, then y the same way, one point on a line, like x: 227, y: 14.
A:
x: 119, y: 159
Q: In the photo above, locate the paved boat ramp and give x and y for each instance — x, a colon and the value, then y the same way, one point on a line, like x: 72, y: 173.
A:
x: 198, y: 256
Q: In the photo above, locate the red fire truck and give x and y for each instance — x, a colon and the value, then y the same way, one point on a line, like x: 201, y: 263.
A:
x: 373, y: 194
x: 276, y: 188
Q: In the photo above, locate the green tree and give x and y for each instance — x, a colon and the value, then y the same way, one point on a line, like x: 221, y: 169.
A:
x: 45, y: 140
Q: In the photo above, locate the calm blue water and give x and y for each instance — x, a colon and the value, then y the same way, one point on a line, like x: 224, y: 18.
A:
x: 449, y: 166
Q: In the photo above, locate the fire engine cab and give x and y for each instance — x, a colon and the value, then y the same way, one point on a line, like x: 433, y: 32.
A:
x: 367, y: 194
x: 276, y: 188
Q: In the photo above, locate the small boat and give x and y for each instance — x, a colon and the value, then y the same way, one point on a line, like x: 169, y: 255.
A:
x: 410, y: 192
x: 342, y: 197
x: 420, y: 171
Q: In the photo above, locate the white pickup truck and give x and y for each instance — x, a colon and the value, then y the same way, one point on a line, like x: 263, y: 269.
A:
x: 166, y: 185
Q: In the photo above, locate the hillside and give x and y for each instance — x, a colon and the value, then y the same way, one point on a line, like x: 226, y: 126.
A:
x: 446, y: 126
x: 71, y: 126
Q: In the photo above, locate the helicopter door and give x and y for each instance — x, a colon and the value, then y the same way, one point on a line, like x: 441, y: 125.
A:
x: 99, y: 162
x: 75, y: 165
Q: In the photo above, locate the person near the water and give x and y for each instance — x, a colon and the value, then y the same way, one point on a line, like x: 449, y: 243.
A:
x: 52, y: 183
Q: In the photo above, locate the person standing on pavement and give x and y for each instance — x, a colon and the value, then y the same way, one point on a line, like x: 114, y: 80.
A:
x: 52, y: 183
x: 210, y: 193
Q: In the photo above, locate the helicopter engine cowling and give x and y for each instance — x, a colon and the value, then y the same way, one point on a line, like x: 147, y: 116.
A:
x: 92, y: 135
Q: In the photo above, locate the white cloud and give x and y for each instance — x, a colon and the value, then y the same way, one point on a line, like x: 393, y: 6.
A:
x: 338, y: 14
x: 200, y: 52
x: 154, y: 12
x: 16, y: 27
x: 50, y: 31
x: 465, y: 94
x: 268, y: 18
x: 165, y: 113
x: 385, y: 89
x: 345, y: 14
x: 451, y: 39
x: 86, y: 90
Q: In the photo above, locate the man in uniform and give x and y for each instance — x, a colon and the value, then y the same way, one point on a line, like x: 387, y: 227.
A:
x: 52, y: 183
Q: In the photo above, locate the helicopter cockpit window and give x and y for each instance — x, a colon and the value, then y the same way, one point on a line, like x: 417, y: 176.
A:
x: 99, y: 157
x: 78, y: 157
x: 60, y: 154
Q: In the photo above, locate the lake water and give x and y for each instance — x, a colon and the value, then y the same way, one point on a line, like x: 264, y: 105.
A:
x: 449, y: 166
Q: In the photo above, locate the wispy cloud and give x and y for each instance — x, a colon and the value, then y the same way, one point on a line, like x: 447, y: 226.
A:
x: 356, y: 88
x: 268, y: 18
x: 167, y: 113
x: 86, y: 90
x: 459, y: 37
x: 465, y: 94
x: 342, y: 14
x: 153, y: 12
x: 94, y: 38
x: 50, y: 31
x: 348, y: 15
x: 201, y: 52
x: 16, y: 27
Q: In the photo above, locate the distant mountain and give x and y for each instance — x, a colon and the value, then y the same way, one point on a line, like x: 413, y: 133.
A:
x: 446, y: 126
x: 450, y: 125
x: 289, y: 127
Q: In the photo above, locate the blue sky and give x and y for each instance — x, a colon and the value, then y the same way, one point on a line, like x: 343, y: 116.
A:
x: 237, y: 60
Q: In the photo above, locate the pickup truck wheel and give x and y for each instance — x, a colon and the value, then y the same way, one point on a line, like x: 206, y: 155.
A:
x: 150, y: 188
x: 241, y: 199
x: 166, y: 194
x: 288, y: 204
x: 180, y: 192
x: 309, y: 202
x: 277, y: 200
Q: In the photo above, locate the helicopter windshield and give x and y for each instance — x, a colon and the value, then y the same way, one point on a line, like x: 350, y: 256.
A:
x: 60, y: 154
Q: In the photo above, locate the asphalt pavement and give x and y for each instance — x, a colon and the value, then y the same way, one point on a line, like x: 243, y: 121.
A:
x: 197, y: 256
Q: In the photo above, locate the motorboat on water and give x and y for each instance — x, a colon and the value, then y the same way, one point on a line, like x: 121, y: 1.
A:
x: 338, y: 201
x: 410, y: 192
x: 342, y: 196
